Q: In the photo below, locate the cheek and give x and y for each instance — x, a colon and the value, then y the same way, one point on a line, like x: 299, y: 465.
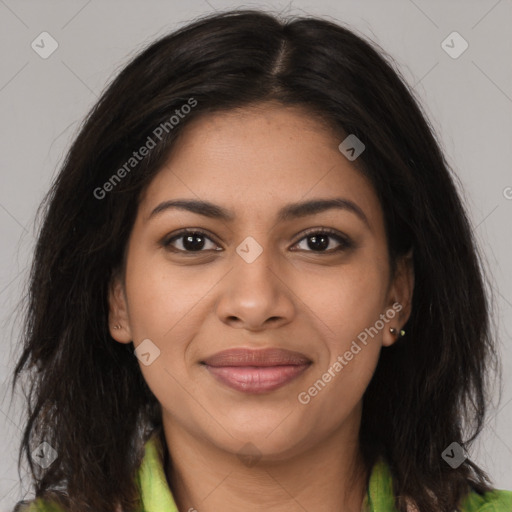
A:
x: 348, y: 303
x: 346, y: 300
x: 168, y: 306
x: 348, y: 312
x: 334, y: 394
x: 163, y: 298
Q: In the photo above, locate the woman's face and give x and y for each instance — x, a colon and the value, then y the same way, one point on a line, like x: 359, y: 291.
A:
x: 262, y: 274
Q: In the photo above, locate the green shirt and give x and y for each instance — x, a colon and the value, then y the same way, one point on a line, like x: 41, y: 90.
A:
x: 157, y: 497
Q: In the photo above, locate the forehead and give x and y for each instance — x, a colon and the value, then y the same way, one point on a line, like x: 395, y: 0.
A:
x: 259, y: 158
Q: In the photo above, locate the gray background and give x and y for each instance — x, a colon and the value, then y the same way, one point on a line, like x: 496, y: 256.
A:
x: 42, y: 101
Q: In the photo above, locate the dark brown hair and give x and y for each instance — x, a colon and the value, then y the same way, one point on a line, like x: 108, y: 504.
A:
x: 87, y: 396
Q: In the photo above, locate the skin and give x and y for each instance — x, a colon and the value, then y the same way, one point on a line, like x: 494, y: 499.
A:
x: 253, y: 162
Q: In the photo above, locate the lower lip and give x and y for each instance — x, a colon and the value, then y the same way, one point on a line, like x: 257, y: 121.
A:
x: 252, y: 379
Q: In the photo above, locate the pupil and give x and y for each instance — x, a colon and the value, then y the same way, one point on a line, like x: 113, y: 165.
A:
x: 189, y: 243
x: 318, y: 242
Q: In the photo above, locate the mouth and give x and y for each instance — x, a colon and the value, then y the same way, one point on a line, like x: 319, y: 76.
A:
x: 256, y: 371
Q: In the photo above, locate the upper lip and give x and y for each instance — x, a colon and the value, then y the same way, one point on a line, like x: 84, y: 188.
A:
x: 260, y: 357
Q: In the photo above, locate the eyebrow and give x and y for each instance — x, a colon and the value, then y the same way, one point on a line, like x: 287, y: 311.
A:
x: 288, y: 212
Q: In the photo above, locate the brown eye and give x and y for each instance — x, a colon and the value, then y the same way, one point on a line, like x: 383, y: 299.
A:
x: 190, y: 241
x: 324, y: 240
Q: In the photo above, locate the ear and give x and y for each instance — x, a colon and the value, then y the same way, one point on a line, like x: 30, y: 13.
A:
x: 400, y: 298
x: 118, y: 310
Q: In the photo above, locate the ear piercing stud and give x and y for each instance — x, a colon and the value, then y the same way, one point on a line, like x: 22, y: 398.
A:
x: 392, y: 330
x: 117, y: 326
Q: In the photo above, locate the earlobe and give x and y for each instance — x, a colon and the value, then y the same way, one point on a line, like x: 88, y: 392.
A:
x: 400, y: 302
x: 393, y: 331
x: 119, y: 325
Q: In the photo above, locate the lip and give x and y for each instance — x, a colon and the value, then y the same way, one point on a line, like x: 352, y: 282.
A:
x: 256, y: 371
x: 261, y: 357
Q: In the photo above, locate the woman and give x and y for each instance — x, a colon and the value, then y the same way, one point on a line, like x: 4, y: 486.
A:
x: 256, y: 288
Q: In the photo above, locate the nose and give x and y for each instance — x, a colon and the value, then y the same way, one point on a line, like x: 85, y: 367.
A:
x: 255, y: 296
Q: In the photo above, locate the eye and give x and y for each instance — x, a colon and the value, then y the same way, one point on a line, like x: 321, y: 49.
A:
x: 189, y: 240
x: 316, y: 240
x: 321, y: 240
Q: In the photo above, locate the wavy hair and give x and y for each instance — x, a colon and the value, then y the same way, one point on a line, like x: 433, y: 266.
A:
x: 87, y: 397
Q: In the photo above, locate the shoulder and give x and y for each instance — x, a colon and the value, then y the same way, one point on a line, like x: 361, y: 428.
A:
x: 492, y: 501
x: 150, y: 478
x: 40, y: 505
x: 37, y: 505
x: 381, y: 496
x: 495, y: 501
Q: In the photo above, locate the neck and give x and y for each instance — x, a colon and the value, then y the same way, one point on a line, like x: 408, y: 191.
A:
x: 328, y: 477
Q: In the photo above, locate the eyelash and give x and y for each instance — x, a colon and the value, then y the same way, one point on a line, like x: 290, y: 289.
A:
x: 344, y: 242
